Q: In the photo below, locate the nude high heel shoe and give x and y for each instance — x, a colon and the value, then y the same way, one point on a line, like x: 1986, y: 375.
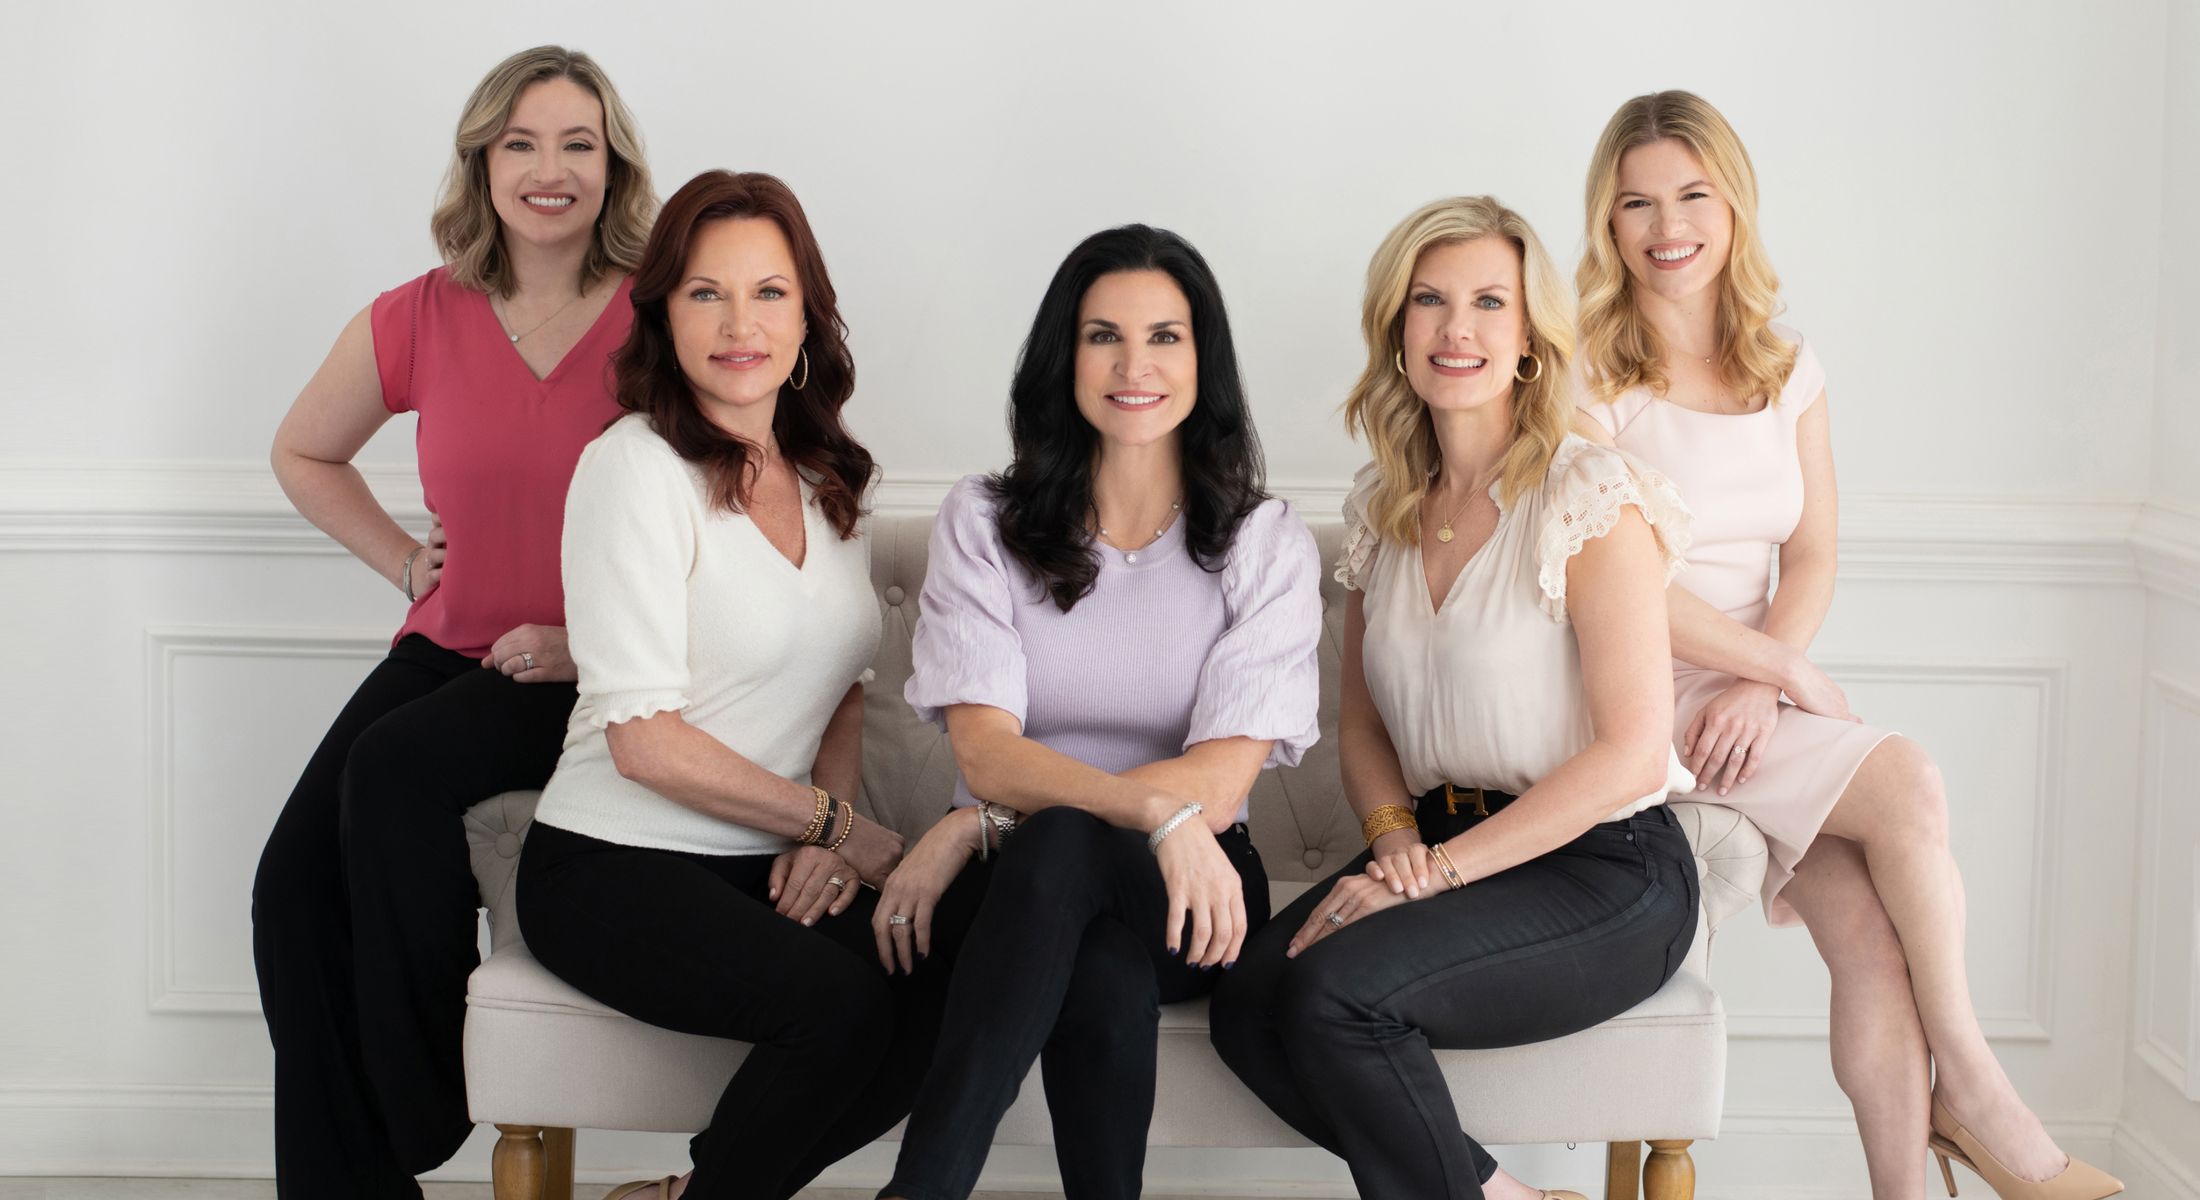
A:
x: 1564, y: 1196
x: 643, y: 1189
x: 2079, y: 1180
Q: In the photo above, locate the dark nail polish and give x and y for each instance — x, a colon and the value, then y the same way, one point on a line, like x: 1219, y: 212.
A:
x: 1226, y: 966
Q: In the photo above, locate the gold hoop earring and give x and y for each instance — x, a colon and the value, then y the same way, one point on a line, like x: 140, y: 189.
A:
x: 1529, y: 378
x: 804, y: 351
x: 1398, y: 360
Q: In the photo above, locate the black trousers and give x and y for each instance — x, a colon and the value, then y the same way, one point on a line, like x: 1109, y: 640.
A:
x: 1063, y: 963
x: 1338, y: 1041
x: 364, y: 916
x: 689, y: 942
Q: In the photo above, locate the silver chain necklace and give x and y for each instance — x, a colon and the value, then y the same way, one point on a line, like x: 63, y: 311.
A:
x: 506, y: 326
x: 1131, y: 555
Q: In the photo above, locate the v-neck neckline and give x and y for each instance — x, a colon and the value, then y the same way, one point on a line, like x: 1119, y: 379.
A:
x: 520, y: 360
x: 801, y: 569
x: 1420, y: 560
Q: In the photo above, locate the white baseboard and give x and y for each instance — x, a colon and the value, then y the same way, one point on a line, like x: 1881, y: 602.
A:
x: 2151, y: 1171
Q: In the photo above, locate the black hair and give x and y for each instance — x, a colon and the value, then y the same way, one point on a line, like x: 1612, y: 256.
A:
x: 1042, y: 499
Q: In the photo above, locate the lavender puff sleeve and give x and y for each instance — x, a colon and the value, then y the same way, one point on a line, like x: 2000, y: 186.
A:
x: 1262, y: 680
x: 966, y: 649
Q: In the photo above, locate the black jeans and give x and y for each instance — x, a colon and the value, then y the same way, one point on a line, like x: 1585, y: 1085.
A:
x: 363, y: 916
x: 1338, y: 1041
x: 688, y: 942
x: 1064, y: 963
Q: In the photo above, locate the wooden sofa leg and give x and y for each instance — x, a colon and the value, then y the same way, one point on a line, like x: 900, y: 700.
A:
x: 518, y: 1164
x: 1623, y: 1171
x: 1670, y: 1174
x: 557, y: 1178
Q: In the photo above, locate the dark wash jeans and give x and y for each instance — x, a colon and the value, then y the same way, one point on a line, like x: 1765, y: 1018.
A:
x: 1338, y: 1041
x: 363, y: 916
x: 1062, y: 961
x: 688, y: 942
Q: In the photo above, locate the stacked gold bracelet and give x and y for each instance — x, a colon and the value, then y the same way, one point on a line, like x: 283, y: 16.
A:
x: 819, y: 819
x: 1443, y: 864
x: 1388, y: 818
x: 847, y: 824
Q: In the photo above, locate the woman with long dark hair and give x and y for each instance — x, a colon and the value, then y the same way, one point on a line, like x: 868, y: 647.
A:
x: 693, y: 862
x: 1119, y: 633
x: 363, y: 907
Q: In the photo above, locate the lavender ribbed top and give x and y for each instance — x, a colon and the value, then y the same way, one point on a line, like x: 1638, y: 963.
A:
x: 1160, y: 656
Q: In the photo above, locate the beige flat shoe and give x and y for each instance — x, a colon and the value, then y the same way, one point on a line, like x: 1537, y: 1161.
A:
x: 2079, y: 1180
x: 644, y: 1189
x: 1563, y: 1196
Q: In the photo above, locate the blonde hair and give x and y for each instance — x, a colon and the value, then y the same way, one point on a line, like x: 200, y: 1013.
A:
x: 1383, y: 405
x: 467, y: 232
x: 1618, y: 347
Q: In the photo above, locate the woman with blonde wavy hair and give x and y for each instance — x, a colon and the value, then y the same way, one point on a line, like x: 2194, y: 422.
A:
x: 363, y: 908
x: 1684, y: 366
x: 1505, y: 720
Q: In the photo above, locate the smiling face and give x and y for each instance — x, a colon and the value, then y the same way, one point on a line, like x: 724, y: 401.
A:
x: 1137, y: 372
x: 737, y: 321
x: 548, y: 166
x: 1466, y: 323
x: 1673, y: 228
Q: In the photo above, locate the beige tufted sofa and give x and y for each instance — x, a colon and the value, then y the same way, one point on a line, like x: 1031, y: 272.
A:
x: 543, y: 1060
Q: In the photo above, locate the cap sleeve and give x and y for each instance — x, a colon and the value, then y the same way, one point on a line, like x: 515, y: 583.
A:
x: 1262, y: 679
x: 396, y: 327
x: 1360, y: 539
x: 1807, y: 381
x: 631, y: 518
x: 966, y: 649
x: 1585, y: 490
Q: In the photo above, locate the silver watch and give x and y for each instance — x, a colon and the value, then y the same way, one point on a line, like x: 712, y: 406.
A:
x: 995, y: 823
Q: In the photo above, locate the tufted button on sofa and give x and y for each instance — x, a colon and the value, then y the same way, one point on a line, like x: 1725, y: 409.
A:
x: 543, y: 1060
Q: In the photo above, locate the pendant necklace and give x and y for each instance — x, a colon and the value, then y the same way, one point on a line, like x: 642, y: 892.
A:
x: 1131, y: 556
x: 506, y: 326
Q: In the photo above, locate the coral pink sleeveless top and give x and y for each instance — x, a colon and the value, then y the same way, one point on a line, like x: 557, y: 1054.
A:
x: 497, y: 449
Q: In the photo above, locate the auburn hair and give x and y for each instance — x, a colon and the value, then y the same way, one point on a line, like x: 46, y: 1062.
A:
x: 806, y: 420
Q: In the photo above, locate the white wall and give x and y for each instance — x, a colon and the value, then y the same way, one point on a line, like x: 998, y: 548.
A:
x: 2161, y: 1128
x: 1967, y: 202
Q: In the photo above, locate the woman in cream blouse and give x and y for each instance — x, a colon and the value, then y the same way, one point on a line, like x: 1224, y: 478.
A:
x: 1505, y: 727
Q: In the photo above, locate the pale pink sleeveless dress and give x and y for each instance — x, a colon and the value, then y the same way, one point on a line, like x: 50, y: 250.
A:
x: 1741, y: 477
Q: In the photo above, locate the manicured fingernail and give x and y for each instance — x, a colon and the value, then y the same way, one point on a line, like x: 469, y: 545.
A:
x: 1226, y: 966
x: 807, y: 921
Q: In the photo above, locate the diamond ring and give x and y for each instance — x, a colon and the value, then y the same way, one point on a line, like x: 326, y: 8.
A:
x: 897, y: 918
x: 836, y: 882
x: 1336, y: 919
x: 527, y: 658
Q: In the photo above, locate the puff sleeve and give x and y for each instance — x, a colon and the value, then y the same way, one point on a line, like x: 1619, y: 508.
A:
x: 966, y: 649
x: 1262, y: 679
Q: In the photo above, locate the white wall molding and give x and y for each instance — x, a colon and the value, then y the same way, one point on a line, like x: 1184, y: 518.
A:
x: 2165, y: 541
x: 164, y: 647
x: 2150, y: 1170
x: 2165, y: 693
x: 178, y: 506
x: 2049, y: 679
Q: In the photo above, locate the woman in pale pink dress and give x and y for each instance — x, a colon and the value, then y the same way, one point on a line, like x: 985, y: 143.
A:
x: 1684, y: 368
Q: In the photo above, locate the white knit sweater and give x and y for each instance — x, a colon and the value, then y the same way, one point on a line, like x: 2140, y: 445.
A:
x: 671, y: 605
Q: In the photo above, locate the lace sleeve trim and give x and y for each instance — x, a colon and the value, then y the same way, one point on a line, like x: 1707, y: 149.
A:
x: 1591, y: 514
